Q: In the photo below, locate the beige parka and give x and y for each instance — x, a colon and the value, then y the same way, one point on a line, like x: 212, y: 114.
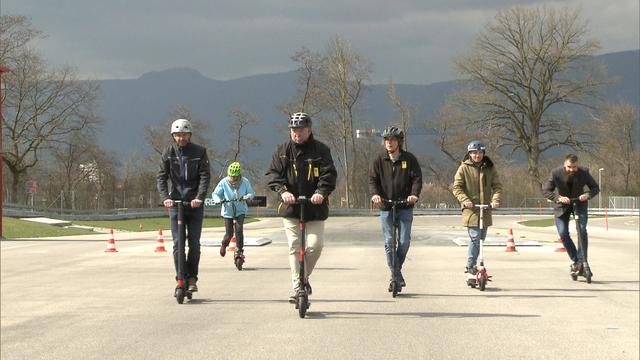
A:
x: 478, y: 183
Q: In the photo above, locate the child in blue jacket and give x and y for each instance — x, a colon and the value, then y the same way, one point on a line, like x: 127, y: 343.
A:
x: 232, y: 192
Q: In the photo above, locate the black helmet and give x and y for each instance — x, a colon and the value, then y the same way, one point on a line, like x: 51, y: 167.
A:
x: 475, y: 145
x: 299, y: 120
x: 393, y: 131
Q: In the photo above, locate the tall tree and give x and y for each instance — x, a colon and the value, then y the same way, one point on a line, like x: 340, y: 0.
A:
x: 345, y: 73
x: 43, y: 105
x: 524, y: 66
x: 618, y: 145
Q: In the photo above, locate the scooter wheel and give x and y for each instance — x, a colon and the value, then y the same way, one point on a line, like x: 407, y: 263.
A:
x: 574, y: 277
x: 302, y: 305
x: 394, y: 288
x: 483, y: 283
x: 239, y: 263
x: 179, y: 295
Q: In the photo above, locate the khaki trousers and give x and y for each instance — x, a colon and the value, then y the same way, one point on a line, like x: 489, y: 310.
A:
x: 314, y: 242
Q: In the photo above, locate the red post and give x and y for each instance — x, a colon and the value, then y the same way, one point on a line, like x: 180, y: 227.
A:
x: 520, y: 214
x: 606, y: 218
x: 2, y: 70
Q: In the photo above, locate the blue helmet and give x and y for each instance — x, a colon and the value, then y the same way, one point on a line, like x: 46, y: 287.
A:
x: 475, y: 145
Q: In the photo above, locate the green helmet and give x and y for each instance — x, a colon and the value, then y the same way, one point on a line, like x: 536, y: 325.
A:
x: 234, y: 169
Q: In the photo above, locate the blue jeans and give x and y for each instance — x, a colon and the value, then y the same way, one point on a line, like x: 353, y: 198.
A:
x: 193, y: 227
x: 404, y: 218
x: 562, y: 224
x: 475, y: 235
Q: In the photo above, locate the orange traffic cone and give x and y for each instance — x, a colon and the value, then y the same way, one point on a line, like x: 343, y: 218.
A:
x: 511, y: 245
x: 160, y: 242
x: 232, y: 244
x: 560, y: 246
x: 111, y: 244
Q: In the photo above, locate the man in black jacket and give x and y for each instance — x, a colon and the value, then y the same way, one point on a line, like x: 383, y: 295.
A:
x: 303, y: 166
x: 184, y: 174
x: 570, y: 181
x: 395, y: 175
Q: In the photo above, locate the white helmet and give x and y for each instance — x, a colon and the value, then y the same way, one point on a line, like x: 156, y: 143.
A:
x: 181, y: 126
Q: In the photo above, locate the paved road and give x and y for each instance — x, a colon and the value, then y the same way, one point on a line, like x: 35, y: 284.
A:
x: 67, y: 299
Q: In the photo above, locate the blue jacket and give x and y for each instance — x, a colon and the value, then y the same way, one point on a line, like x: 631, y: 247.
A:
x: 224, y: 191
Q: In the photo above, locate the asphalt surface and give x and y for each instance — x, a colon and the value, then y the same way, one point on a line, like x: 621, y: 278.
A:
x: 68, y: 299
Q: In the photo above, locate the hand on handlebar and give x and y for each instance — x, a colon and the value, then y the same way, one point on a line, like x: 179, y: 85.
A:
x: 168, y: 203
x: 317, y: 199
x: 376, y: 199
x: 583, y: 197
x: 196, y: 203
x: 495, y: 204
x: 288, y: 198
x: 564, y: 200
x: 467, y: 204
x: 412, y: 199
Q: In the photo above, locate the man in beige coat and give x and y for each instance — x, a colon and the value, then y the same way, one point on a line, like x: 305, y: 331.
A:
x: 476, y: 182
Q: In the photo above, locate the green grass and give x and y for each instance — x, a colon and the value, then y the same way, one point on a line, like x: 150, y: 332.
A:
x: 149, y: 224
x: 15, y: 228
x: 547, y: 222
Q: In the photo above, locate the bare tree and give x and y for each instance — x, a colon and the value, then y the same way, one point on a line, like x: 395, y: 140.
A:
x: 524, y: 66
x: 345, y: 73
x: 43, y: 105
x: 618, y: 144
x: 405, y: 111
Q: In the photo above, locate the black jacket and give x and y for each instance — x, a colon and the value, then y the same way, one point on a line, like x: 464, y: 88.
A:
x: 395, y: 180
x: 558, y: 180
x: 198, y: 175
x: 303, y: 170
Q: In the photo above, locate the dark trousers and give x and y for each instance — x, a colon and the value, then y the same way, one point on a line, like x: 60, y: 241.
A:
x: 562, y: 224
x: 228, y: 227
x: 193, y: 227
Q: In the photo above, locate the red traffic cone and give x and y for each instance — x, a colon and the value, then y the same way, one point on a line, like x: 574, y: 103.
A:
x: 560, y: 246
x: 511, y: 245
x: 111, y: 244
x: 232, y: 244
x: 160, y: 242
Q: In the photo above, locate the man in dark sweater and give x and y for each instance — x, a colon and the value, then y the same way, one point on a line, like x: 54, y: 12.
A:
x: 395, y: 175
x: 570, y: 181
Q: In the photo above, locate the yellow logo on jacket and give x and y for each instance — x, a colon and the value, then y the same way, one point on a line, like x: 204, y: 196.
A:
x: 404, y: 164
x: 316, y: 173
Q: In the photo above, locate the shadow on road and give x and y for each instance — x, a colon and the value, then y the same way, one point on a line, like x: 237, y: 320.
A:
x: 488, y: 293
x: 358, y: 314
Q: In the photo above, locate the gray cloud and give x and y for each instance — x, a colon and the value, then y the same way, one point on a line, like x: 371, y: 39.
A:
x: 411, y: 41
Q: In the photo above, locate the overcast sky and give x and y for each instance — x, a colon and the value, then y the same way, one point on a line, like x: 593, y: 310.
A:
x: 411, y: 41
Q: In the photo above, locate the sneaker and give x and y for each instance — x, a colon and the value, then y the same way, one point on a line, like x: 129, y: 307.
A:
x: 472, y: 271
x: 576, y: 268
x: 308, y: 288
x: 191, y: 283
x: 223, y: 249
x: 292, y: 298
x: 402, y: 283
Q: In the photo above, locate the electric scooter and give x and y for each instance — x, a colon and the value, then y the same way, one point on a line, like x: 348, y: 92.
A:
x: 182, y: 288
x: 394, y: 285
x: 238, y: 257
x: 302, y: 295
x: 586, y: 270
x: 481, y: 276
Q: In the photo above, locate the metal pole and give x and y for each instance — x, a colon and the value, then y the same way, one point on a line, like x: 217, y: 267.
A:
x: 600, y: 184
x: 2, y: 70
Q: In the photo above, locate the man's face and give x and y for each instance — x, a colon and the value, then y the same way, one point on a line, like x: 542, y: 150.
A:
x: 181, y: 138
x: 391, y: 144
x: 300, y: 135
x: 570, y: 168
x: 476, y: 155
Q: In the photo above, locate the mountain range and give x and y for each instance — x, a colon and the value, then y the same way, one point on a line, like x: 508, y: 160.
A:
x: 127, y: 106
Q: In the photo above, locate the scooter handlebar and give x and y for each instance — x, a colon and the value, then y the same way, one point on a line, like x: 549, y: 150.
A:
x: 483, y: 206
x: 395, y: 202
